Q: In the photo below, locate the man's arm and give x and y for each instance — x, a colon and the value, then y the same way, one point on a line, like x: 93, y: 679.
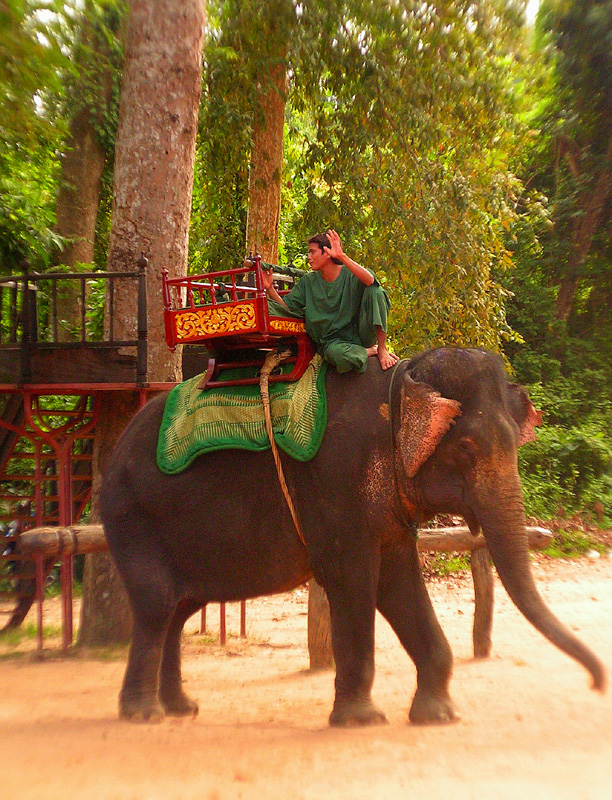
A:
x: 268, y: 282
x: 336, y: 251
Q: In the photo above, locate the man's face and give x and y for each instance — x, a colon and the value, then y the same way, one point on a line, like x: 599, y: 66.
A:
x: 317, y: 257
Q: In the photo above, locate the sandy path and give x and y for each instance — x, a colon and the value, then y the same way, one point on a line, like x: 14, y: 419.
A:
x: 531, y: 727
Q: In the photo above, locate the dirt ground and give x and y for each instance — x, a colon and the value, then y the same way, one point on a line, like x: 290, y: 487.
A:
x: 531, y: 727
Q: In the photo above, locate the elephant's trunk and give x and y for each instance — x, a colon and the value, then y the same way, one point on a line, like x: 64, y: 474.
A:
x: 506, y: 538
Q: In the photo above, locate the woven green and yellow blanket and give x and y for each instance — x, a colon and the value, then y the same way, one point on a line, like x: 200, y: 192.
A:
x: 197, y: 422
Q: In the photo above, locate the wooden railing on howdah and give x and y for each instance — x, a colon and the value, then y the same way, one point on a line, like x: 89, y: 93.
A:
x: 48, y: 542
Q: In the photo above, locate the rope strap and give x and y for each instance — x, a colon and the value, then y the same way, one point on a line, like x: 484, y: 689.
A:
x: 273, y: 359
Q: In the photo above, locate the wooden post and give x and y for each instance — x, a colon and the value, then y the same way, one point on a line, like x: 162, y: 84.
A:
x: 319, y: 628
x: 243, y: 619
x: 40, y: 593
x: 222, y: 628
x: 482, y: 574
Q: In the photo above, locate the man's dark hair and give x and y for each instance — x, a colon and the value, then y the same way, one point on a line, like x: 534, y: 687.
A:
x: 322, y: 240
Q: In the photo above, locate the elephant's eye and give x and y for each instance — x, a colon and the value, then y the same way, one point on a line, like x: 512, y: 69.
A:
x: 467, y: 451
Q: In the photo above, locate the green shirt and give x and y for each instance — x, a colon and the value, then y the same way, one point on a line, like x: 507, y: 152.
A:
x: 330, y: 309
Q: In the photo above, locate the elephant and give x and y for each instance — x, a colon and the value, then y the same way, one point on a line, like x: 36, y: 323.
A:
x: 436, y: 434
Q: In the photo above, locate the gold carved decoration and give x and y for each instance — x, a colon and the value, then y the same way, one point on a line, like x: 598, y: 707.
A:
x: 214, y: 321
x: 286, y: 326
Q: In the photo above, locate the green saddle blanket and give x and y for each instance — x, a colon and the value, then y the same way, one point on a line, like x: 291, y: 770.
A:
x: 232, y: 417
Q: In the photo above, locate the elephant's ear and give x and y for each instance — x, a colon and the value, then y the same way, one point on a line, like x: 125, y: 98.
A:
x: 524, y: 413
x: 425, y: 418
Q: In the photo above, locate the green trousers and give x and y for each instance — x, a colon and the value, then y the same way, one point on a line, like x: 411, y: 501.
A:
x: 373, y: 313
x: 347, y: 354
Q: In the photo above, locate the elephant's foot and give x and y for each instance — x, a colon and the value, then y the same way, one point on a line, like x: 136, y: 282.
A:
x: 356, y: 712
x: 141, y: 710
x: 179, y: 704
x: 432, y: 709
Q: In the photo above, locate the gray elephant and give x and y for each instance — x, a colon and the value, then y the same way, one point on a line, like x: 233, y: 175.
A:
x: 437, y: 434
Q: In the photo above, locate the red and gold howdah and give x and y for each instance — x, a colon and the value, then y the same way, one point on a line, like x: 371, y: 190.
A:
x: 286, y: 327
x: 227, y: 311
x: 211, y: 321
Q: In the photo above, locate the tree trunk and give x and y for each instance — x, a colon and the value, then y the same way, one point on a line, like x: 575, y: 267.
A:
x: 153, y: 181
x: 584, y: 230
x: 154, y: 157
x: 79, y: 194
x: 105, y: 611
x: 266, y: 165
x: 80, y: 181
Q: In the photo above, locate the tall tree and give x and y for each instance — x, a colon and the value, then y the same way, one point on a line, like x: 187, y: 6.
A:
x: 276, y: 21
x: 153, y: 180
x: 240, y: 158
x: 580, y: 33
x: 91, y: 99
x: 31, y: 63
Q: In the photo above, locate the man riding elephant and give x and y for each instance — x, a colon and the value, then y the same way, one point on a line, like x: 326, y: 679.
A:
x: 342, y: 303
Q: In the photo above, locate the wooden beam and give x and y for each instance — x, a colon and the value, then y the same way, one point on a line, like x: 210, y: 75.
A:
x: 79, y: 539
x: 459, y: 539
x: 55, y: 541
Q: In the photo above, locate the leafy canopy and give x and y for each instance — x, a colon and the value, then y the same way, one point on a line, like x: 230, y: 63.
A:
x: 401, y: 129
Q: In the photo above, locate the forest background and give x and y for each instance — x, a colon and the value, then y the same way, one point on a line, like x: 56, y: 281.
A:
x: 464, y: 155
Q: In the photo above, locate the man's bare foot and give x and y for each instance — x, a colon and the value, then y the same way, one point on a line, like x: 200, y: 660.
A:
x: 372, y: 351
x: 386, y: 358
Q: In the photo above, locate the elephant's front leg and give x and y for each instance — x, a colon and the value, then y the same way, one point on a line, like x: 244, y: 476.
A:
x: 352, y: 605
x: 404, y: 602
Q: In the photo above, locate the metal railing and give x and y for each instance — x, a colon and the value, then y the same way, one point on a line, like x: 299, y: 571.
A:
x: 30, y: 313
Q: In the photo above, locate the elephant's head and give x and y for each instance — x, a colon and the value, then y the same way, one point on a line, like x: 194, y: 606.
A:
x: 473, y: 472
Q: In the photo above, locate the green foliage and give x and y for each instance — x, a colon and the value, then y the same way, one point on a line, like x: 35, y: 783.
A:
x: 30, y: 59
x: 441, y: 564
x: 56, y: 60
x: 572, y: 164
x: 573, y: 544
x: 400, y: 130
x: 94, y: 83
x: 569, y: 378
x: 15, y: 636
x: 567, y: 368
x: 566, y: 471
x: 414, y: 126
x: 566, y: 363
x: 28, y: 186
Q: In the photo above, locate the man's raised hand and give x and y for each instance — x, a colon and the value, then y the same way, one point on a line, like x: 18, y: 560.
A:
x: 335, y: 251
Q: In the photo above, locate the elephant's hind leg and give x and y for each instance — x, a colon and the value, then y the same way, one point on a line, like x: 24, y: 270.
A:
x: 138, y: 700
x: 173, y: 698
x: 404, y: 602
x: 153, y: 606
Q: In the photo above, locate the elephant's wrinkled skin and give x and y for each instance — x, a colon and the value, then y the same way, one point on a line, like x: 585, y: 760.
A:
x: 221, y: 530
